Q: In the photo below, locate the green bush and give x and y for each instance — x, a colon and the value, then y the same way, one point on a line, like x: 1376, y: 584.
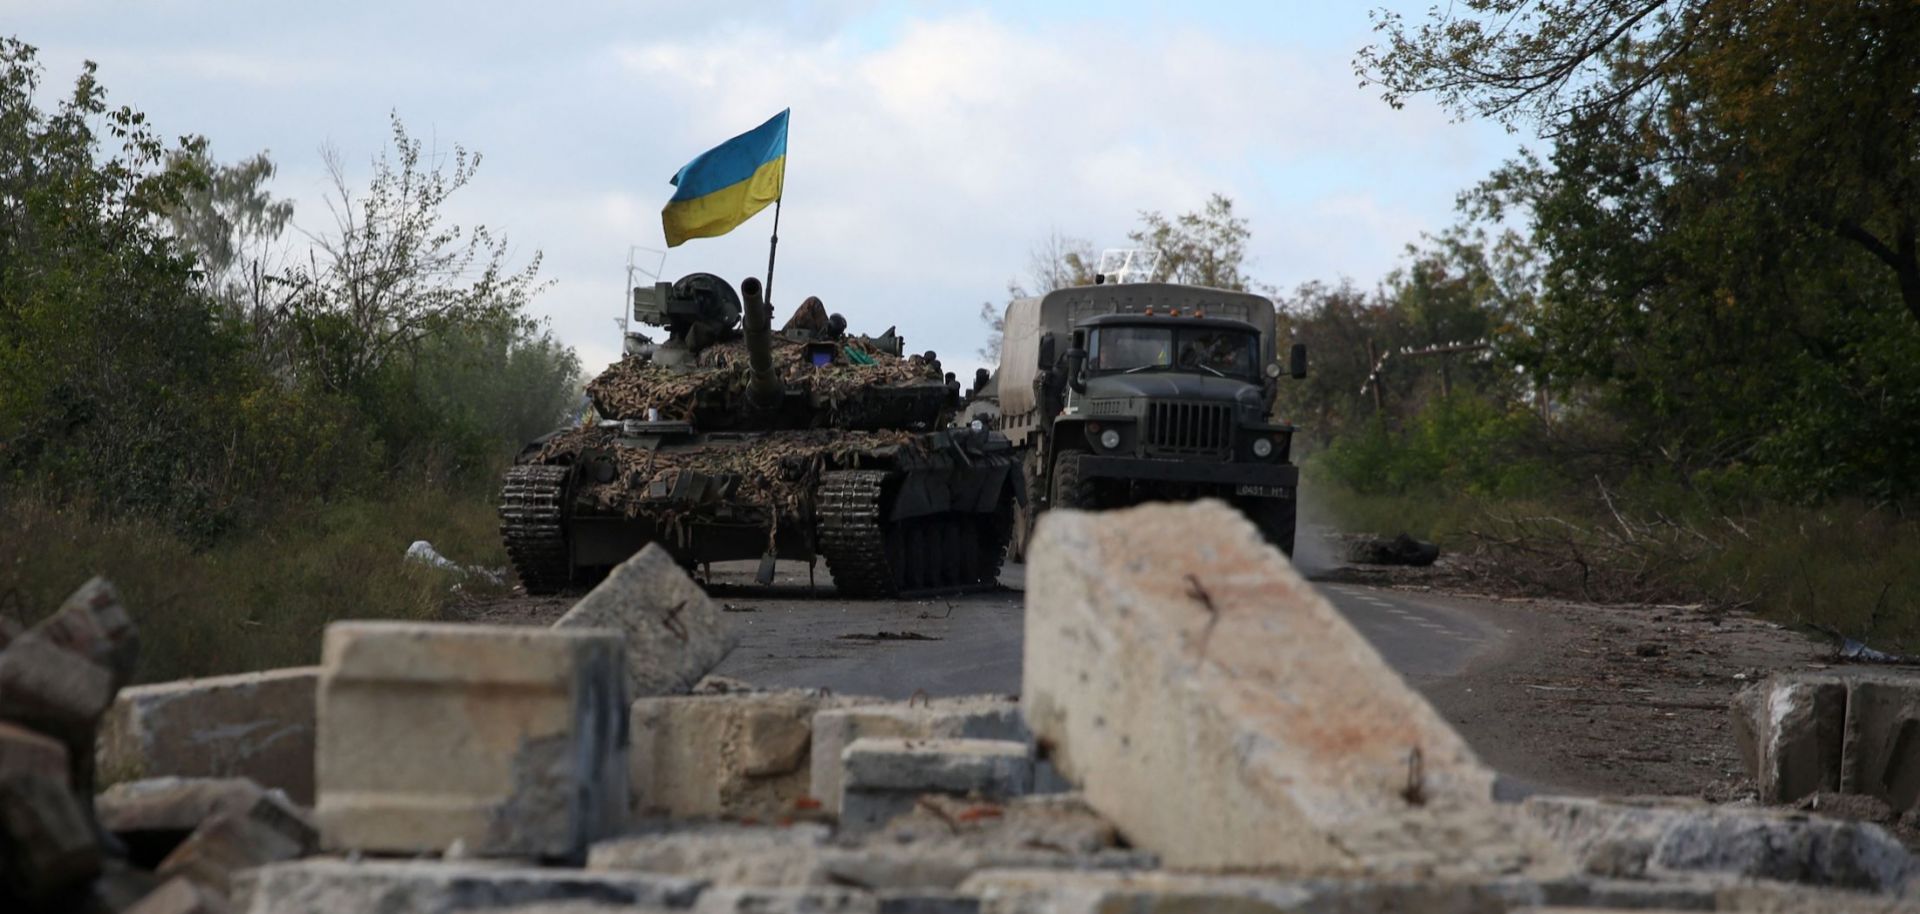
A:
x: 1458, y: 444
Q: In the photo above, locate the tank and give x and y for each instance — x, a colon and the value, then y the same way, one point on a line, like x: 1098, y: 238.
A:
x: 731, y: 441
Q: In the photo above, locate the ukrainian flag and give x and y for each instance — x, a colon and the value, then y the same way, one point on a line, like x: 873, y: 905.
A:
x: 727, y: 184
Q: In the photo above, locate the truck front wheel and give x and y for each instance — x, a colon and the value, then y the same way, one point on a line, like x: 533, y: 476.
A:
x: 1275, y: 518
x: 1071, y: 489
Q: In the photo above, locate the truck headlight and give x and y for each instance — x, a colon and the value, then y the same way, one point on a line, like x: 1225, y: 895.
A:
x: 1110, y: 439
x: 1263, y: 448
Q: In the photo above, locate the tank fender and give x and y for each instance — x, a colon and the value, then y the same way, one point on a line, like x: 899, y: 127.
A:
x: 984, y: 489
x: 921, y: 492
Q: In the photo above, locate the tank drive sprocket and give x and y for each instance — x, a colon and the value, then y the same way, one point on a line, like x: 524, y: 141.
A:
x: 532, y: 504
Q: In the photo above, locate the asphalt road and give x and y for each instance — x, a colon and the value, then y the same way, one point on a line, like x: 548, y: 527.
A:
x: 795, y: 637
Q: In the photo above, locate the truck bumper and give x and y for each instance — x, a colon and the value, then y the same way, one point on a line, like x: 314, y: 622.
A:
x: 1276, y: 475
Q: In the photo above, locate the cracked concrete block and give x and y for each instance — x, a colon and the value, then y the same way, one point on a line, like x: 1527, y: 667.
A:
x: 23, y: 751
x: 1789, y: 730
x: 258, y: 726
x: 268, y: 830
x: 1881, y: 746
x: 512, y: 741
x: 674, y: 633
x: 54, y: 691
x: 727, y: 855
x: 741, y: 755
x: 152, y: 817
x: 967, y: 717
x: 1222, y: 713
x: 886, y: 776
x: 1668, y: 838
x: 426, y: 887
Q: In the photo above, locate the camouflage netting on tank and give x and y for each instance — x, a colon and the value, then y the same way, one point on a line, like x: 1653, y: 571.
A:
x: 626, y: 389
x: 771, y: 471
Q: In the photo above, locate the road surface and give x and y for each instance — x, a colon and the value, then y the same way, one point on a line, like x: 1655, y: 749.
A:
x: 970, y: 644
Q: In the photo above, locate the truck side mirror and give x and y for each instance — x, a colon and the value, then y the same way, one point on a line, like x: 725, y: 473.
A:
x: 1297, y: 360
x: 1046, y: 351
x: 1076, y: 370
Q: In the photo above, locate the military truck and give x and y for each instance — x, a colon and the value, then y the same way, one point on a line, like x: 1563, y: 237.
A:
x: 1120, y: 393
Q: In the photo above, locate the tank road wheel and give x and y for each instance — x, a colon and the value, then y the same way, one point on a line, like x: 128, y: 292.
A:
x: 989, y: 536
x: 1070, y: 488
x: 533, y: 525
x: 867, y: 555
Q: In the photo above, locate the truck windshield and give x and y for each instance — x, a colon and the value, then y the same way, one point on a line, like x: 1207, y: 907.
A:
x: 1202, y: 349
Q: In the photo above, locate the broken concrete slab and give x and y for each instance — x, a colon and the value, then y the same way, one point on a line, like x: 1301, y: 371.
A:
x: 54, y: 691
x: 181, y: 895
x: 737, y: 755
x: 1789, y: 730
x: 1221, y: 712
x: 93, y: 624
x: 732, y: 855
x: 674, y: 632
x: 1880, y: 749
x: 171, y: 804
x: 990, y: 768
x: 886, y: 776
x: 512, y: 741
x: 258, y: 726
x: 968, y: 717
x: 268, y: 831
x: 47, y: 843
x: 426, y: 887
x: 1655, y: 838
x: 22, y: 751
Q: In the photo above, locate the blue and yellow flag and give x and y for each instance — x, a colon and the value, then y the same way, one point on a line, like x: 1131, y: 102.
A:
x: 727, y: 184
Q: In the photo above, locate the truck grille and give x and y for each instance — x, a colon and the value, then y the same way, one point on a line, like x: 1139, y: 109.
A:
x: 1189, y: 427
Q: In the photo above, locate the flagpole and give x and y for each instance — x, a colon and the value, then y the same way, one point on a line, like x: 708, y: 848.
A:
x: 773, y: 246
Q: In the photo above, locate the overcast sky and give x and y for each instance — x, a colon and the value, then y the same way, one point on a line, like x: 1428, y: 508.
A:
x: 932, y: 144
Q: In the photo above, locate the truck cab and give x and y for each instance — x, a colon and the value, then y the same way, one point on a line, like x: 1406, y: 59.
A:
x: 1150, y: 392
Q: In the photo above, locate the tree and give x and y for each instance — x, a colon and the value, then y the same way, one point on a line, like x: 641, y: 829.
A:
x: 1056, y: 262
x: 392, y: 270
x: 227, y: 220
x: 1203, y: 248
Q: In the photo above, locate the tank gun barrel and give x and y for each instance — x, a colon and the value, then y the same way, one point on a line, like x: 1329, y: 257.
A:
x: 765, y: 390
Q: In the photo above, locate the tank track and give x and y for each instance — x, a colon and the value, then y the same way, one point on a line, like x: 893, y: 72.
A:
x: 532, y: 522
x: 854, y: 540
x: 851, y: 536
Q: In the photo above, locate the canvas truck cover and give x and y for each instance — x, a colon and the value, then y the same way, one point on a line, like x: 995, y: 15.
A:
x: 1059, y: 311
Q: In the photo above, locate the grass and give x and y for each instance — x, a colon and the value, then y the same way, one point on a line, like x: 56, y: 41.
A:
x: 260, y: 598
x: 1846, y: 568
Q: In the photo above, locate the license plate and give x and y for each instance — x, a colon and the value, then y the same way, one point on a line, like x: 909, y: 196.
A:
x: 1263, y: 491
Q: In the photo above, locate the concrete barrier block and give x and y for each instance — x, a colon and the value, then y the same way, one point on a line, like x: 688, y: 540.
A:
x: 1219, y: 710
x: 1881, y: 745
x: 725, y: 854
x: 744, y: 754
x: 512, y: 741
x: 967, y: 717
x: 258, y: 726
x: 1790, y: 730
x: 674, y: 632
x: 334, y: 886
x: 268, y: 830
x: 1668, y: 838
x: 885, y: 777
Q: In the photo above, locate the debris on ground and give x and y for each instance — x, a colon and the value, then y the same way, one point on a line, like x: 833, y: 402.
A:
x: 1399, y: 550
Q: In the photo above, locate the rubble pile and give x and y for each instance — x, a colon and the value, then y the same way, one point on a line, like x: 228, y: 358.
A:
x: 1200, y: 732
x: 769, y: 471
x: 627, y: 389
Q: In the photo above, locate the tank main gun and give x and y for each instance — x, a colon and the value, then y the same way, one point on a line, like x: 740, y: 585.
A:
x: 765, y: 391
